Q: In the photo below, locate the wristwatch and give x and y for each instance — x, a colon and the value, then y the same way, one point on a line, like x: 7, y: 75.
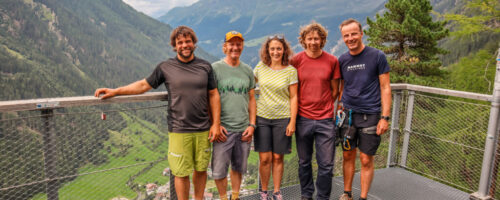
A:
x: 253, y: 125
x: 386, y: 118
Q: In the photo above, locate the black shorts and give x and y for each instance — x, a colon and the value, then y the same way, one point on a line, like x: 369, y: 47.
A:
x: 271, y: 136
x: 363, y: 133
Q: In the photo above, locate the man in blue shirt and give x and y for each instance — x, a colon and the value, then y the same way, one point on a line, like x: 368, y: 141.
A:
x: 366, y: 97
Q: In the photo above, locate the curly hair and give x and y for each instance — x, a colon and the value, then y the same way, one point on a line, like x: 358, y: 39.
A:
x: 184, y: 31
x: 313, y: 26
x: 265, y: 57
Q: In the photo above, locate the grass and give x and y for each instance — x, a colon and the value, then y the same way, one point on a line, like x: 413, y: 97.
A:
x: 255, y: 42
x: 134, y: 148
x: 13, y: 53
x: 134, y: 152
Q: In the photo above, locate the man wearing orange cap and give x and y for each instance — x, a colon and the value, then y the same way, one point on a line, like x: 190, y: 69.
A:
x: 236, y: 85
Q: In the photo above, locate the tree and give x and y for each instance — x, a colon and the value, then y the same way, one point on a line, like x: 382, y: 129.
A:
x: 408, y: 35
x: 479, y: 16
x: 474, y: 73
x: 476, y: 27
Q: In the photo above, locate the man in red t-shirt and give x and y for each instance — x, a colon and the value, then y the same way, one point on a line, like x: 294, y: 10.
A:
x: 319, y: 75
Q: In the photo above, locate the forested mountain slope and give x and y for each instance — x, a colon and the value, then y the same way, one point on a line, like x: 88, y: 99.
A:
x: 53, y: 48
x: 257, y: 19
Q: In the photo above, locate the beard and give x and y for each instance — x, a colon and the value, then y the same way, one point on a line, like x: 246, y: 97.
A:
x: 314, y: 47
x: 191, y: 51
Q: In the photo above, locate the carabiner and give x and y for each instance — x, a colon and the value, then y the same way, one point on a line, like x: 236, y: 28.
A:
x: 348, y: 147
x: 340, y: 118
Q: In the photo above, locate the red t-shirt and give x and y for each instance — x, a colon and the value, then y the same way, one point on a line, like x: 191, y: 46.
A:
x: 315, y: 91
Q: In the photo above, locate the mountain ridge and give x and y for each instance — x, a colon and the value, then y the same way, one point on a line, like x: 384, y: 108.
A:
x: 259, y: 19
x: 60, y: 48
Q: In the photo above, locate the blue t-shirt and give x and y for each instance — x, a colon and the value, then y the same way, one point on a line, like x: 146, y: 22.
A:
x: 361, y: 80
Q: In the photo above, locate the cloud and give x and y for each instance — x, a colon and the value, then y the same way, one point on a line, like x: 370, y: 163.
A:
x: 156, y: 8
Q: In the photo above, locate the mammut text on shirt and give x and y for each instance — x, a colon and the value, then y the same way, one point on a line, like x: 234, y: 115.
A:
x: 361, y: 79
x: 187, y: 85
x: 315, y: 89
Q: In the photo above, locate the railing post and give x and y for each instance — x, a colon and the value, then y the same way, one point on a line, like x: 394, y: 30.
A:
x: 394, y: 129
x: 50, y: 154
x: 407, y: 130
x: 491, y: 138
x: 172, y: 192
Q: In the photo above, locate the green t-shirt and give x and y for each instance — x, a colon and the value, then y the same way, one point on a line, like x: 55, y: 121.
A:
x: 274, y: 96
x: 233, y: 84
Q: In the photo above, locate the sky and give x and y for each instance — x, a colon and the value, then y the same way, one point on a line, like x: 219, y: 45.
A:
x: 157, y: 8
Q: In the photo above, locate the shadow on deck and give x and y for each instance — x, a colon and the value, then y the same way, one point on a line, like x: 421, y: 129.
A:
x: 388, y: 184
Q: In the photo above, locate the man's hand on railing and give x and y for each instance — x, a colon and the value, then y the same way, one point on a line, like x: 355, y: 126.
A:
x: 138, y: 87
x: 108, y: 92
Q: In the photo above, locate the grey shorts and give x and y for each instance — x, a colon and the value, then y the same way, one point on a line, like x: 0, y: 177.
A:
x: 365, y: 137
x: 233, y: 151
x: 271, y: 136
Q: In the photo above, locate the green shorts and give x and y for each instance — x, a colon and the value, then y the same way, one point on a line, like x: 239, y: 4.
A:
x: 188, y: 151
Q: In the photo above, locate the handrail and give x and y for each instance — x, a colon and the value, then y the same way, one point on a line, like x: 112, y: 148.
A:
x: 441, y: 91
x: 62, y: 102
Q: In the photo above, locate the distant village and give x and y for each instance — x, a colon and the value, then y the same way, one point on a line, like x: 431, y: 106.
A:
x: 161, y: 192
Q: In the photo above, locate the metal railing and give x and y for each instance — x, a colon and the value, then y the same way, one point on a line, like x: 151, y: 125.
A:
x: 440, y: 137
x: 85, y: 152
x: 86, y: 148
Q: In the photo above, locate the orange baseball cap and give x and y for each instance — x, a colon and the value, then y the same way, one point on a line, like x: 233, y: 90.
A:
x: 232, y: 34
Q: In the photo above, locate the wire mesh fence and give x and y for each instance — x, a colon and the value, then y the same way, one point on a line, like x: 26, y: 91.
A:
x: 118, y: 152
x: 84, y: 153
x: 447, y: 140
x: 104, y: 152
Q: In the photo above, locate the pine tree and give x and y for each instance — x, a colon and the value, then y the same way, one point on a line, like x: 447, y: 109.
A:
x: 479, y: 16
x: 408, y: 35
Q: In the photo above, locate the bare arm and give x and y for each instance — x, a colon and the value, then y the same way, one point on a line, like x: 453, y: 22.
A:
x: 252, y: 114
x: 137, y: 87
x: 385, y: 92
x: 335, y: 88
x: 214, y: 101
x: 294, y: 107
x: 341, y: 89
x: 252, y: 106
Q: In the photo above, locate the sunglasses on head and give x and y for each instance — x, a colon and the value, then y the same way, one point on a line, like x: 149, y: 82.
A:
x: 278, y: 36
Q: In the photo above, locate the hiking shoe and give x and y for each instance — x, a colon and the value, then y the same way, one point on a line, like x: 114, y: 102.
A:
x: 231, y: 197
x: 277, y: 196
x: 263, y: 195
x: 345, y: 197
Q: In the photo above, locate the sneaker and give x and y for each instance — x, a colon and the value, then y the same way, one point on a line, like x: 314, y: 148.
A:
x: 306, y: 198
x: 263, y: 195
x: 277, y: 196
x: 231, y: 197
x: 345, y: 197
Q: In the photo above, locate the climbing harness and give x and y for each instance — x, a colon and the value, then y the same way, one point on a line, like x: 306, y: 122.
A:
x: 345, y: 128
